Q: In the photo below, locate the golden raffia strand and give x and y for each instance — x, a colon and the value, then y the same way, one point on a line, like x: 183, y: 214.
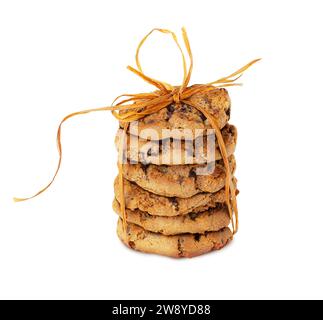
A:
x: 136, y: 106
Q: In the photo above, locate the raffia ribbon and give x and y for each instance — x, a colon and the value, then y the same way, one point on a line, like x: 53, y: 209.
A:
x: 139, y: 105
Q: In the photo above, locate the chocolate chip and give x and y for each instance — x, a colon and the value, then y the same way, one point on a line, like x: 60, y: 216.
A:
x: 170, y: 111
x: 202, y: 116
x: 192, y: 173
x: 149, y: 152
x: 193, y: 215
x: 197, y: 237
x: 144, y: 167
x: 132, y: 244
x: 174, y: 202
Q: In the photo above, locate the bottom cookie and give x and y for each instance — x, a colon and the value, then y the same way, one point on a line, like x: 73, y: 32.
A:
x: 177, y: 246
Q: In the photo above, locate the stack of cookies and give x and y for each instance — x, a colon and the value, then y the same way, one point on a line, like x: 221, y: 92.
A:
x: 174, y: 178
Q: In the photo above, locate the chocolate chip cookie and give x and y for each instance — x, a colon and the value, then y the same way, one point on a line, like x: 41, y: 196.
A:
x: 184, y: 245
x: 175, y: 152
x: 183, y: 181
x: 138, y: 198
x: 172, y: 121
x: 213, y: 219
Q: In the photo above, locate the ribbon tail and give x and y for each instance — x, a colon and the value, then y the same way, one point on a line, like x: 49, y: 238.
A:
x: 237, y: 73
x: 59, y: 147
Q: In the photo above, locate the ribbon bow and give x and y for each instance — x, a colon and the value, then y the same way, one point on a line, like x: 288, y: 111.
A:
x: 136, y: 106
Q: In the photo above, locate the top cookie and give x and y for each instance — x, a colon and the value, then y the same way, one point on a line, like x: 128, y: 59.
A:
x: 174, y: 120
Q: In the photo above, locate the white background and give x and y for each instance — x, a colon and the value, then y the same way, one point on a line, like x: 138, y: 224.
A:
x: 61, y: 56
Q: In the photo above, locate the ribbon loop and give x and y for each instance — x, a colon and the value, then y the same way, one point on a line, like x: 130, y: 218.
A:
x: 164, y: 31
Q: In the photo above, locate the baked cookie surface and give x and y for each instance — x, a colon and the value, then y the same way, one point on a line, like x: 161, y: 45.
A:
x: 184, y: 245
x: 213, y: 219
x: 183, y: 181
x: 177, y: 118
x: 201, y: 150
x: 138, y: 198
